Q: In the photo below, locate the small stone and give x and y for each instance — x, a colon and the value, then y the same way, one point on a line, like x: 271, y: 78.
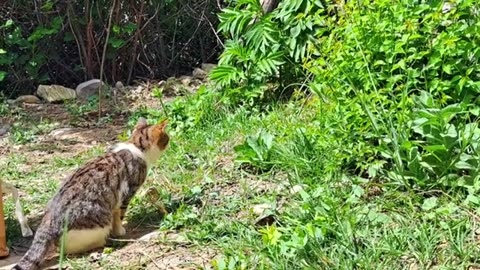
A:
x: 185, y: 80
x: 55, y: 93
x: 265, y: 214
x: 3, y: 131
x: 207, y: 67
x: 297, y: 188
x: 119, y: 85
x: 150, y: 236
x: 88, y: 88
x: 27, y: 99
x: 259, y: 209
x: 266, y: 220
x: 59, y: 133
x: 199, y: 73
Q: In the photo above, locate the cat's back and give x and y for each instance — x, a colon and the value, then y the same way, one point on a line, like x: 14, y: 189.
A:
x: 101, y: 178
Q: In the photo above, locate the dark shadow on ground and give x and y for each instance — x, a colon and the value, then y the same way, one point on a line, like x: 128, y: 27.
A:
x: 142, y: 224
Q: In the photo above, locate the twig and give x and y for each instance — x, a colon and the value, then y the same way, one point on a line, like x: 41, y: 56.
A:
x: 189, y: 40
x: 103, y: 60
x: 141, y: 29
x: 80, y: 47
x: 138, y: 17
x: 152, y: 260
x: 214, y: 31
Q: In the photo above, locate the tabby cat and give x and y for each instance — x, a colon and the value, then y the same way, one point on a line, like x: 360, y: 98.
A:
x: 93, y: 200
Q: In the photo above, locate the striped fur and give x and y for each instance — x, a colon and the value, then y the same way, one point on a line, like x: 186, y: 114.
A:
x: 93, y: 200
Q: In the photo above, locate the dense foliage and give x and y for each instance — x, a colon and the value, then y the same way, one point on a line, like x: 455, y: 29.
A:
x: 387, y: 93
x: 402, y: 77
x: 62, y: 42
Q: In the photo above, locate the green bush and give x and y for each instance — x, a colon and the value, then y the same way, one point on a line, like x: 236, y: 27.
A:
x: 264, y: 52
x: 376, y: 64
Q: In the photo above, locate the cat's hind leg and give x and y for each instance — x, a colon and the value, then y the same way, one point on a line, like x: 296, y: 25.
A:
x: 79, y: 241
x: 117, y: 227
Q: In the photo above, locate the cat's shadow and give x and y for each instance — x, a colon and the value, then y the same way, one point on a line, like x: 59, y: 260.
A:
x: 138, y: 225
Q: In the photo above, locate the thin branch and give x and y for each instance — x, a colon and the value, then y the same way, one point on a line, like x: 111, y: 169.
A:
x: 103, y: 60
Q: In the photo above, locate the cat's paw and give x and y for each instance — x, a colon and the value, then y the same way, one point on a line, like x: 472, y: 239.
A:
x: 119, y: 231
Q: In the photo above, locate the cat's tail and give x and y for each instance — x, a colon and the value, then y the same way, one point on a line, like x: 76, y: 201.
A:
x: 46, y: 237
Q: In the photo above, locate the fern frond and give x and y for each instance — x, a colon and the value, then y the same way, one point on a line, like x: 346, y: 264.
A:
x: 227, y: 75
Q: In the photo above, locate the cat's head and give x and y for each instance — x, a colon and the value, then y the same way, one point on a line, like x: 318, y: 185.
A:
x: 152, y: 140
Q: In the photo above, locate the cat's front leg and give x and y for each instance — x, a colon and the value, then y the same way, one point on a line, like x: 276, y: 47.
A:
x: 117, y: 227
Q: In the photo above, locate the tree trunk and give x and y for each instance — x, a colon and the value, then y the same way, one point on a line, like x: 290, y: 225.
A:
x: 269, y: 5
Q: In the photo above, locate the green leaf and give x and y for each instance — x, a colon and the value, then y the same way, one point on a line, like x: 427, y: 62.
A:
x: 473, y: 199
x: 295, y: 31
x: 130, y: 28
x: 116, y: 42
x: 3, y: 74
x: 463, y: 165
x: 116, y: 29
x: 447, y: 69
x: 429, y: 203
x: 7, y: 24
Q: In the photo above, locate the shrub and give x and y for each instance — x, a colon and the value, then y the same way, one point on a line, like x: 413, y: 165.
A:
x: 405, y: 77
x: 264, y: 52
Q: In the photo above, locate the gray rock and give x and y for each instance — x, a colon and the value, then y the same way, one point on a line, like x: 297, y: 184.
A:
x: 62, y: 132
x: 185, y: 80
x: 88, y: 88
x: 55, y: 93
x: 4, y: 130
x: 207, y: 67
x: 27, y: 99
x: 199, y: 73
x: 119, y: 85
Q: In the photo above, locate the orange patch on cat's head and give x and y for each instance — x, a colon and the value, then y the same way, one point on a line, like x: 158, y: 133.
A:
x: 147, y: 136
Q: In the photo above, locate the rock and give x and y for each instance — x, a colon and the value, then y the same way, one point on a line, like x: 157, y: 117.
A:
x: 199, y: 73
x: 88, y: 88
x: 138, y: 90
x: 208, y: 67
x: 3, y: 131
x: 259, y: 209
x: 265, y: 214
x: 55, y: 93
x: 296, y: 189
x: 150, y: 236
x: 170, y: 87
x: 266, y: 220
x: 185, y: 80
x: 62, y: 132
x: 27, y: 99
x: 119, y: 85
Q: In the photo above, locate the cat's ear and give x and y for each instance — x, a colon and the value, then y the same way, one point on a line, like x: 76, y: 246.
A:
x: 160, y: 128
x: 163, y: 124
x: 142, y: 122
